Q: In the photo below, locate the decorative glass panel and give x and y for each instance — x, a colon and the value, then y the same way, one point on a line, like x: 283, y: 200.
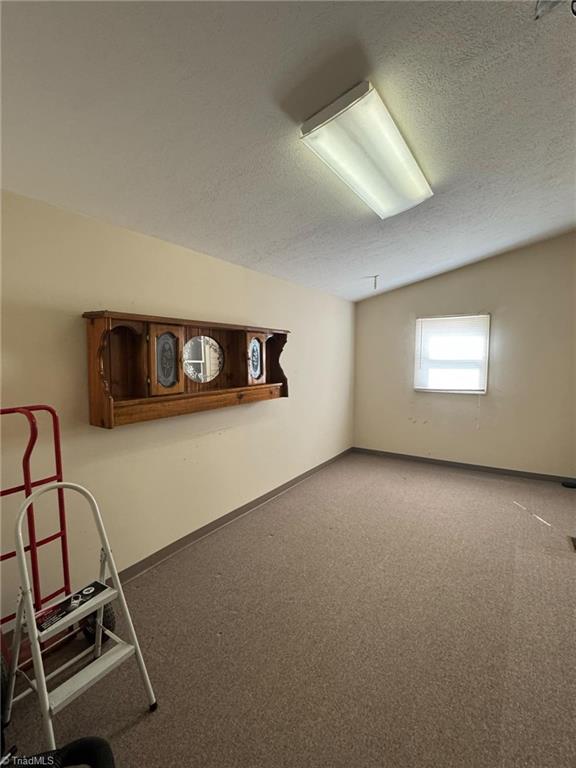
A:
x: 167, y: 360
x: 255, y: 358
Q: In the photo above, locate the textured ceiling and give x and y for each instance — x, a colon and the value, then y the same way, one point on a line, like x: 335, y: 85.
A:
x: 181, y: 120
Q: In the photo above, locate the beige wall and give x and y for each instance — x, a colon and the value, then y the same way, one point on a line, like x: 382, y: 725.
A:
x: 527, y: 420
x: 158, y: 481
x: 574, y: 362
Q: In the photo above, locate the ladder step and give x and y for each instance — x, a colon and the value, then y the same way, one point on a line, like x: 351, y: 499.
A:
x: 107, y: 595
x: 96, y: 670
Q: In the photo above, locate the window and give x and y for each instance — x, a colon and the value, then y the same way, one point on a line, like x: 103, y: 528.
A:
x: 452, y: 354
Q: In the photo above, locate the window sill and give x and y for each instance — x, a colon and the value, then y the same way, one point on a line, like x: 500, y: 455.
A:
x: 453, y: 391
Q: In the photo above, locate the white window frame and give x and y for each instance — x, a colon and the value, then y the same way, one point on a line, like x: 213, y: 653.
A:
x: 473, y: 364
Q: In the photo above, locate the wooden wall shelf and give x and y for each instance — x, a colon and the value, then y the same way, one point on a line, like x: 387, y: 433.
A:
x: 144, y: 367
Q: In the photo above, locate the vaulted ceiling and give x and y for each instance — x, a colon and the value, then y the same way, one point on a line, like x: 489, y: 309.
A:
x: 181, y: 120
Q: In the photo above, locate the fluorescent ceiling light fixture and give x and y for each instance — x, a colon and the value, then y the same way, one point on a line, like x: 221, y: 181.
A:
x: 358, y: 139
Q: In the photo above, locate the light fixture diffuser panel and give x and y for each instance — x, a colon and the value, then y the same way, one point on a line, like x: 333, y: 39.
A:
x: 358, y: 139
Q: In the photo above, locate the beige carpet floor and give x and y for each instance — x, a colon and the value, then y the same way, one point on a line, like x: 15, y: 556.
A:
x: 384, y: 613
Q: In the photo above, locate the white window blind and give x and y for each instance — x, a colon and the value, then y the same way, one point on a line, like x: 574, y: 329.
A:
x: 452, y: 353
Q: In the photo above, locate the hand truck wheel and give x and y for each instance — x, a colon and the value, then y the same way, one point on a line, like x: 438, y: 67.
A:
x: 108, y: 622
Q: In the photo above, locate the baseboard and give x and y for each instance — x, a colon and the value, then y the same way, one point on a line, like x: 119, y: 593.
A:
x: 163, y: 554
x: 464, y: 465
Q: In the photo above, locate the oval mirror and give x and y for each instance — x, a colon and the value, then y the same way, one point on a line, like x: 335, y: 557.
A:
x: 203, y: 359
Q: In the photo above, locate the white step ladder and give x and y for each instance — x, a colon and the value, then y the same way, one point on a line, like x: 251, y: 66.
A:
x: 51, y: 702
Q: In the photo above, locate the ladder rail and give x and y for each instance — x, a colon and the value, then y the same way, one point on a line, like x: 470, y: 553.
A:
x: 16, y: 639
x: 28, y: 604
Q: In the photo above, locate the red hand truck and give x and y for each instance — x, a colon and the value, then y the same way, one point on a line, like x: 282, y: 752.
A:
x: 34, y: 544
x: 29, y: 411
x: 66, y: 616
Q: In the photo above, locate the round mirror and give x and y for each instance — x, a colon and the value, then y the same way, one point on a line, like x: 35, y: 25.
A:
x: 203, y: 359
